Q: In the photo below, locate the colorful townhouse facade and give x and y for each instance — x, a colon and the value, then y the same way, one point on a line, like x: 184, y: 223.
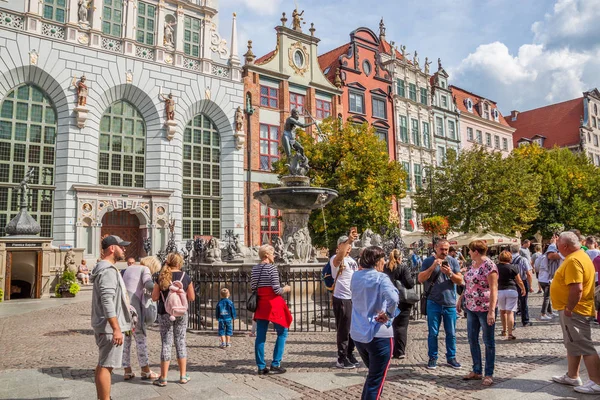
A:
x: 288, y: 77
x: 481, y: 122
x: 574, y: 124
x: 446, y: 116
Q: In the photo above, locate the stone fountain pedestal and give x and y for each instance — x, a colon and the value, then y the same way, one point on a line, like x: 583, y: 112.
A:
x: 296, y: 199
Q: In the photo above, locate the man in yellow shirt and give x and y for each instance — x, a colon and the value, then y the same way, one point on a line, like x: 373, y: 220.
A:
x: 572, y: 294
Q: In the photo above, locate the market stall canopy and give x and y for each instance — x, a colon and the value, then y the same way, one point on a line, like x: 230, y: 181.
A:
x: 410, y: 238
x: 490, y: 238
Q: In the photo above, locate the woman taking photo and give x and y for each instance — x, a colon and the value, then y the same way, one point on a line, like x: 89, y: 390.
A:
x: 172, y: 330
x: 138, y: 280
x: 509, y: 280
x: 400, y: 273
x: 480, y: 294
x: 374, y: 306
x: 271, y: 307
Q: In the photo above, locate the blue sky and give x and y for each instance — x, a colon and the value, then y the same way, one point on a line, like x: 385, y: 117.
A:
x: 522, y: 54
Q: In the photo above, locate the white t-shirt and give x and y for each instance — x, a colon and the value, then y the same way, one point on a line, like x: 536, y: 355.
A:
x: 342, y: 285
x: 593, y: 253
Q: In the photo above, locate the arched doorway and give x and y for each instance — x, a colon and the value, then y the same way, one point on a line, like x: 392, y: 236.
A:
x: 127, y: 226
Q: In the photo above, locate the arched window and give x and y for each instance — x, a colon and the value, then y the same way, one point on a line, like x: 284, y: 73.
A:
x: 122, y: 146
x: 201, y: 179
x: 27, y: 140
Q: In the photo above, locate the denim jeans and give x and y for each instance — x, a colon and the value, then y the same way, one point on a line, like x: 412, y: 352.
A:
x: 262, y: 325
x: 477, y: 321
x: 376, y: 355
x: 435, y: 315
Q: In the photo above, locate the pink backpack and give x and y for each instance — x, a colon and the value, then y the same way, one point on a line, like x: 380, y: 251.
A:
x: 176, y: 304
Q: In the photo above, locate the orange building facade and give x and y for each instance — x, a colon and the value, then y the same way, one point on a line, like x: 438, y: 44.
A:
x: 286, y: 78
x: 356, y: 67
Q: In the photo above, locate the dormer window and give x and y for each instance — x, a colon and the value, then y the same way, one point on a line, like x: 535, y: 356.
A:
x: 539, y: 141
x: 443, y: 85
x: 496, y: 115
x: 486, y: 111
x: 469, y: 105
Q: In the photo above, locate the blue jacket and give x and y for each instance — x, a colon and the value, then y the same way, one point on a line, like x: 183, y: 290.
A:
x: 225, y: 310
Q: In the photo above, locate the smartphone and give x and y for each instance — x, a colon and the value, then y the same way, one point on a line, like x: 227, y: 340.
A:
x: 445, y: 263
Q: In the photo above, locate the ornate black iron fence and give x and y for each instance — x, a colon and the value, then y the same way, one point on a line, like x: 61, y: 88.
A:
x: 309, y: 301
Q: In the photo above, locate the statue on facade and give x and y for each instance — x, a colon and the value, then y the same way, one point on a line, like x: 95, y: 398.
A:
x: 427, y: 64
x: 69, y: 263
x: 382, y: 29
x: 168, y: 40
x: 298, y: 163
x: 403, y: 49
x: 83, y: 7
x: 82, y: 91
x: 297, y: 20
x: 239, y: 119
x: 439, y: 63
x: 169, y: 106
x: 416, y: 59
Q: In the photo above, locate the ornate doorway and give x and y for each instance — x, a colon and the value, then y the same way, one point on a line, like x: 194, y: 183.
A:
x: 127, y: 226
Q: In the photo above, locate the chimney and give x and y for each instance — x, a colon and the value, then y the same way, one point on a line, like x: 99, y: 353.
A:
x: 513, y: 115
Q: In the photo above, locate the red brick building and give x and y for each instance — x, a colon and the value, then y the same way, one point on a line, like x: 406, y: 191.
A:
x: 356, y: 67
x: 286, y: 78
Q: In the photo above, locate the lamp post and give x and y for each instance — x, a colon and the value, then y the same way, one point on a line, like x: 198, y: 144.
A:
x: 430, y: 187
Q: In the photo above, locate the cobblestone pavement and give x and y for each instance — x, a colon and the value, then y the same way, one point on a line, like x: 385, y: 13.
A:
x: 58, y: 343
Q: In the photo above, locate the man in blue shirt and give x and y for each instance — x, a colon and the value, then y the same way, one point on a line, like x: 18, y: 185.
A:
x: 440, y: 273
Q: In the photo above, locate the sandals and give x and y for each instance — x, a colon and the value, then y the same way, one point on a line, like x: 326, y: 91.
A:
x: 503, y: 333
x: 184, y: 379
x: 162, y: 382
x: 511, y: 337
x: 128, y: 376
x: 149, y: 376
x: 472, y: 376
x: 487, y: 381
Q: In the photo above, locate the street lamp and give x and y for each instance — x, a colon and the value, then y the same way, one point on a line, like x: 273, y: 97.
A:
x: 429, y: 171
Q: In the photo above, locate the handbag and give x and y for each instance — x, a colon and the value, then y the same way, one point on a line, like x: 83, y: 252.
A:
x: 408, y: 296
x: 252, y: 302
x: 150, y: 307
x: 425, y: 295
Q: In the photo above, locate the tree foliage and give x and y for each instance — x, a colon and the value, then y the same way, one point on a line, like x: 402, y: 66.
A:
x: 570, y: 189
x: 480, y: 190
x: 355, y: 162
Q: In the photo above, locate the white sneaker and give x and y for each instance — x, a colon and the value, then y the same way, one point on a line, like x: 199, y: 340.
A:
x: 590, y: 387
x: 553, y: 314
x: 566, y: 380
x: 545, y: 318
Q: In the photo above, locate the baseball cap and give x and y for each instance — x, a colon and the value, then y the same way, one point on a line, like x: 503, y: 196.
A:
x: 113, y: 240
x: 342, y: 239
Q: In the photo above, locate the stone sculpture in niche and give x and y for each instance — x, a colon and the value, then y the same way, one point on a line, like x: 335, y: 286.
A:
x: 83, y: 7
x: 82, y: 94
x: 170, y: 122
x: 168, y: 40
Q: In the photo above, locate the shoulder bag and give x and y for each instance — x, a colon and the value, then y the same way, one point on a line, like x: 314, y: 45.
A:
x: 408, y: 296
x: 252, y: 302
x: 425, y: 295
x: 150, y: 307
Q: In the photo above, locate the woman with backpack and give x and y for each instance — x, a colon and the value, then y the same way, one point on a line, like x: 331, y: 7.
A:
x: 270, y: 307
x: 138, y: 280
x: 400, y: 274
x: 172, y: 290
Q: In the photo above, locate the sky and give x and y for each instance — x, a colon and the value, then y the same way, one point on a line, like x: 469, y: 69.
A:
x: 523, y: 54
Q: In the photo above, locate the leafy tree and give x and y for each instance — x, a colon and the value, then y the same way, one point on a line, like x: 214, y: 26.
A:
x: 355, y: 162
x: 570, y: 189
x: 480, y: 190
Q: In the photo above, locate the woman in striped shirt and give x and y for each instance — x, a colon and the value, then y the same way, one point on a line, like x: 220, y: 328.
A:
x: 271, y: 307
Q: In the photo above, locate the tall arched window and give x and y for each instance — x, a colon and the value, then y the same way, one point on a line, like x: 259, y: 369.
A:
x: 122, y: 146
x: 201, y: 178
x: 27, y: 140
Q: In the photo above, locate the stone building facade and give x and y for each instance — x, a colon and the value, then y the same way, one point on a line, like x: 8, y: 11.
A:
x: 481, y: 122
x: 109, y: 156
x: 446, y: 121
x: 286, y: 78
x: 574, y: 124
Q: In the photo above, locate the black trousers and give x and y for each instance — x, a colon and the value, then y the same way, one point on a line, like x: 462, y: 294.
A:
x: 546, y: 304
x: 342, y: 310
x: 400, y: 327
x: 523, y: 304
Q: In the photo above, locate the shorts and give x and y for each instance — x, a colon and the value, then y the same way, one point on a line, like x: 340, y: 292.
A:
x: 507, y: 300
x: 225, y: 327
x: 110, y: 356
x: 577, y: 334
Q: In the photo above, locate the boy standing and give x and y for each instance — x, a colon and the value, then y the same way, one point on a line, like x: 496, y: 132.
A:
x: 225, y: 316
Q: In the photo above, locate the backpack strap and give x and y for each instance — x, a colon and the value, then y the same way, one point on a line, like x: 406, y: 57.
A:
x: 336, y: 277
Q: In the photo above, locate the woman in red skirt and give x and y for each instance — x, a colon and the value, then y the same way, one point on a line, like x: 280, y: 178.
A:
x: 271, y: 307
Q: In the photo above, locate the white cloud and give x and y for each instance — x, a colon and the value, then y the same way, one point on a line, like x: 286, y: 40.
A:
x: 549, y: 70
x: 261, y: 7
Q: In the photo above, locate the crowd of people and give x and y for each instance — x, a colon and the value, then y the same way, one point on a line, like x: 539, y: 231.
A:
x: 370, y: 305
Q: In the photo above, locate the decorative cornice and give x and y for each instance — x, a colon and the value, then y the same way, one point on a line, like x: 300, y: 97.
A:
x: 122, y: 190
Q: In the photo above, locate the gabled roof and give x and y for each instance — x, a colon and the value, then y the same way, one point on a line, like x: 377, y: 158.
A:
x: 327, y: 59
x: 264, y: 58
x: 559, y: 123
x: 462, y: 95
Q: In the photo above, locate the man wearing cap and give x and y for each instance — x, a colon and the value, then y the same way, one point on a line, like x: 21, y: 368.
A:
x: 342, y: 268
x: 110, y: 312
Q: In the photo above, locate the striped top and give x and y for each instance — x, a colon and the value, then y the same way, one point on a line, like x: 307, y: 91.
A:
x: 268, y: 277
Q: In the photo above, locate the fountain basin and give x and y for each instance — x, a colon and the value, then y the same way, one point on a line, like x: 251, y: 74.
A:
x: 295, y: 197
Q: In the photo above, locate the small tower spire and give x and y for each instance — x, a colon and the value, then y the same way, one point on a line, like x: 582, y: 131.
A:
x: 234, y: 59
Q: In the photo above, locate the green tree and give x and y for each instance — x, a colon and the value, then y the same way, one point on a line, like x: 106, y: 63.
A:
x: 355, y: 162
x: 570, y: 189
x: 480, y: 190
